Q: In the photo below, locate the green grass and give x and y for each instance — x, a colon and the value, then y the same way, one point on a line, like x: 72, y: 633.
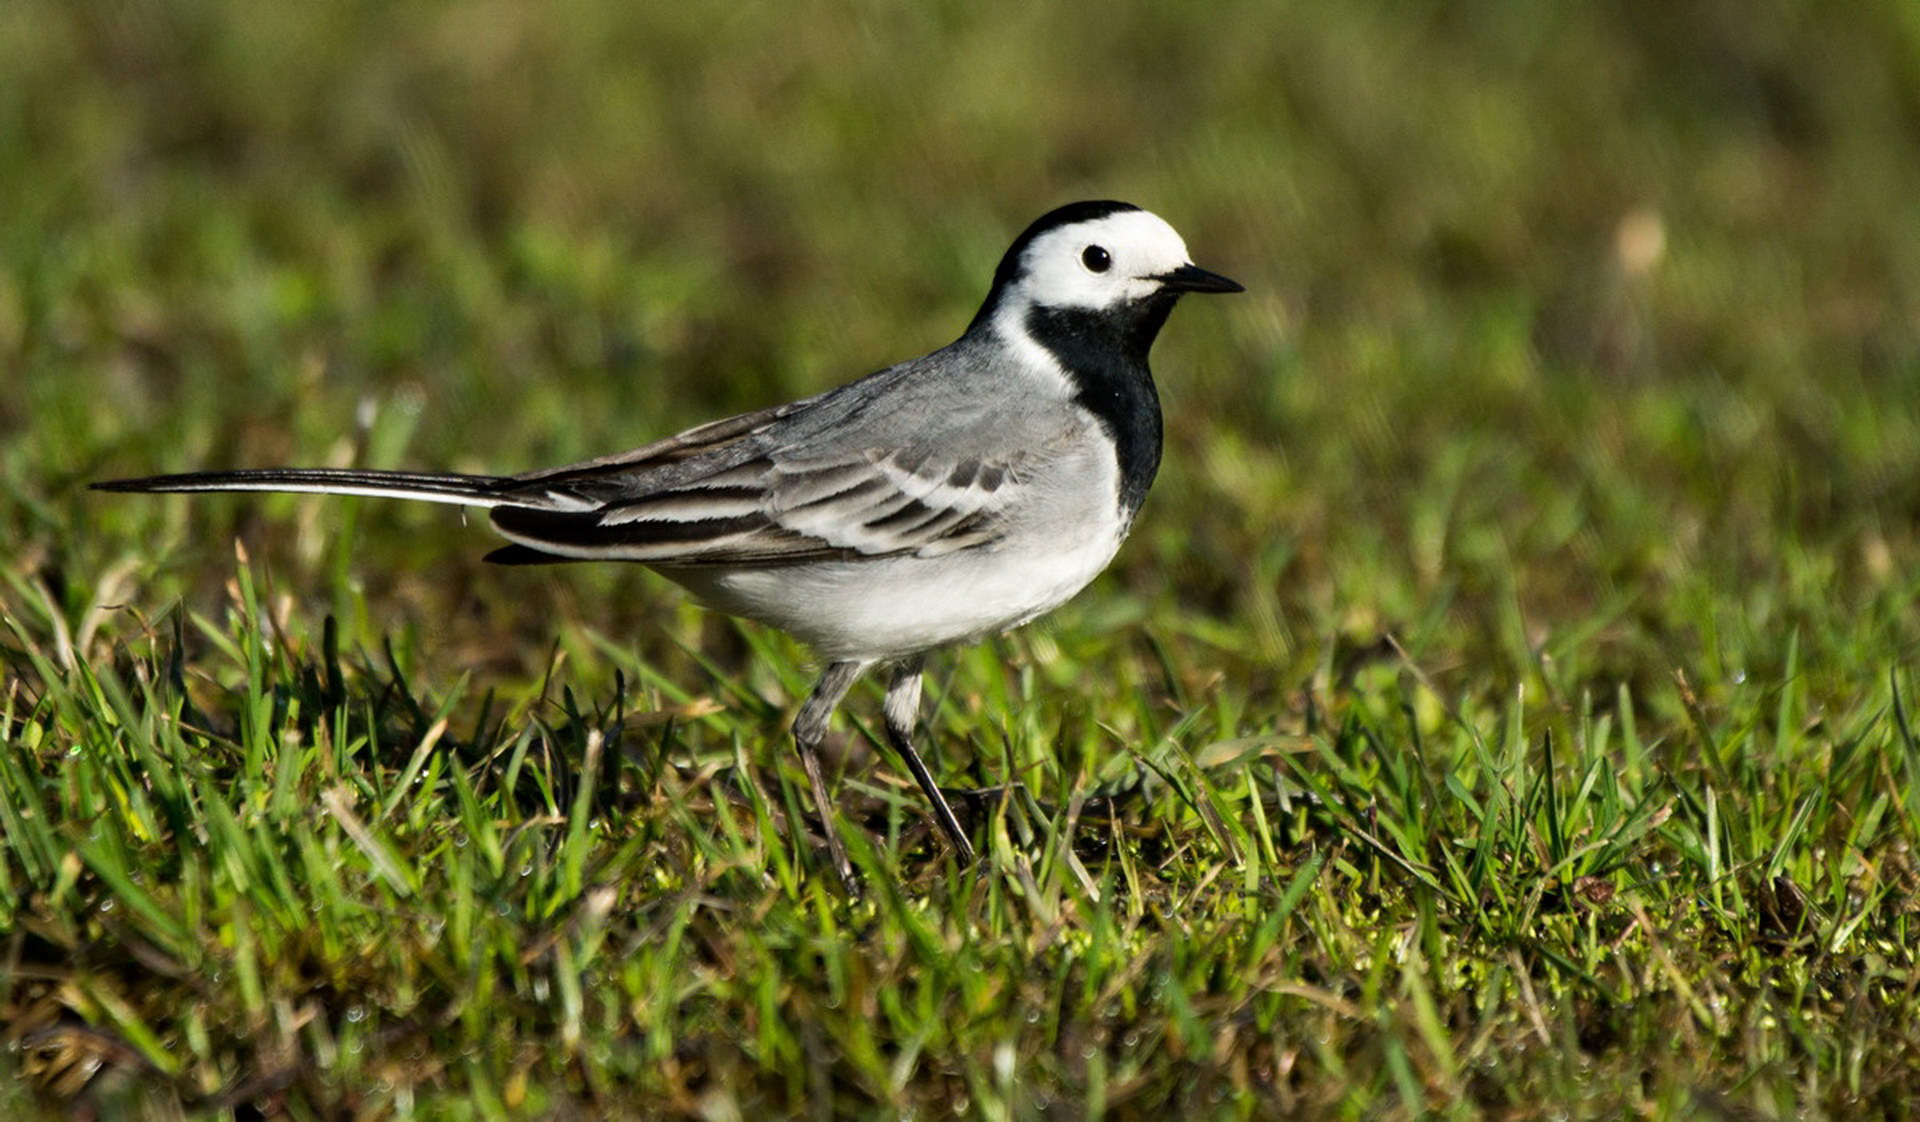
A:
x: 1507, y: 703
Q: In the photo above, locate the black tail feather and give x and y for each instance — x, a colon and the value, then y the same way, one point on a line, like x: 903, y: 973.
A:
x: 475, y: 490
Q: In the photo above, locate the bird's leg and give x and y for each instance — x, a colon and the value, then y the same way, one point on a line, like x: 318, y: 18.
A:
x: 809, y: 726
x: 902, y: 707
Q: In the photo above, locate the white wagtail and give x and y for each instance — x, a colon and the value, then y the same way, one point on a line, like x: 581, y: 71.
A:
x: 936, y: 502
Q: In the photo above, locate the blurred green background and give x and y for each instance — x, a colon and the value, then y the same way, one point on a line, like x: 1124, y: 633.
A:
x: 1615, y: 297
x: 1580, y: 357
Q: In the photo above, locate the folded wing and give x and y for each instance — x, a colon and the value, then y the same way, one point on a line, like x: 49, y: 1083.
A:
x: 782, y: 510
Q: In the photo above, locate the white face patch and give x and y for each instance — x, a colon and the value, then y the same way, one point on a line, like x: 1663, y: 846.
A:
x: 1057, y: 271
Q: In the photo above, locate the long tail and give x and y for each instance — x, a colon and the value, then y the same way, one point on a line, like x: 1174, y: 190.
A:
x: 462, y: 490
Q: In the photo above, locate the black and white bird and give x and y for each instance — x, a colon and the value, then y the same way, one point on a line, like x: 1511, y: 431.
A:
x: 936, y: 502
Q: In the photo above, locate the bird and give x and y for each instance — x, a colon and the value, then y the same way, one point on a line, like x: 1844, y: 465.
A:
x: 927, y: 505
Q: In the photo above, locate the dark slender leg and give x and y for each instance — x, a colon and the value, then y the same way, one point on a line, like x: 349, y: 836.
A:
x: 808, y: 728
x: 903, y: 706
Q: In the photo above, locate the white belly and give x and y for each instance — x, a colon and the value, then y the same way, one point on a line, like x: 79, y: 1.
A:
x: 899, y: 606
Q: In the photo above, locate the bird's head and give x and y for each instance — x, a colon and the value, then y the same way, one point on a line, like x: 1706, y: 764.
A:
x: 1105, y: 258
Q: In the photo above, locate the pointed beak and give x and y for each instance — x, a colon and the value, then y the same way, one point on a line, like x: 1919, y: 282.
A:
x: 1192, y: 278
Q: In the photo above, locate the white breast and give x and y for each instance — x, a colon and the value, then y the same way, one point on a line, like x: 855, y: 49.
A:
x: 902, y: 605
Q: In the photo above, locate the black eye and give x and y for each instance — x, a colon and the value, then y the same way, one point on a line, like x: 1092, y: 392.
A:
x: 1096, y: 259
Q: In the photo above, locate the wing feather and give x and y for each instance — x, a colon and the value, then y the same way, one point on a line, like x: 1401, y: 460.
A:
x: 857, y: 472
x: 698, y: 440
x: 871, y: 504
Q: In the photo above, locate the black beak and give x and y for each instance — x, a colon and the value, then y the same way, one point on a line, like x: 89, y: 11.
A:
x: 1192, y: 278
